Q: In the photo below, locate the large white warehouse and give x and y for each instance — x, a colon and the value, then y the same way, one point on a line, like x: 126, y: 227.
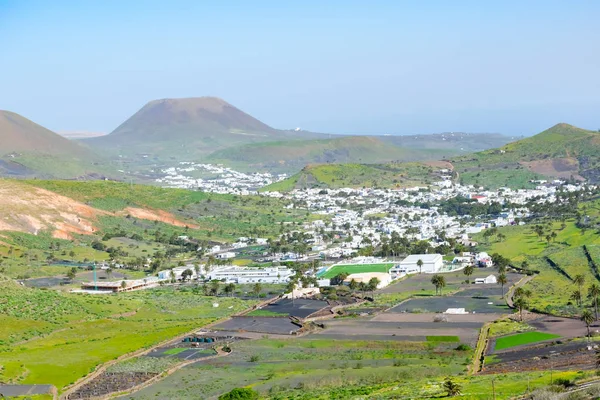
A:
x: 432, y: 263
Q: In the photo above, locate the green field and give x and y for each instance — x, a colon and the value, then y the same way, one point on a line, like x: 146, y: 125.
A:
x: 506, y: 342
x: 450, y: 339
x: 175, y: 351
x: 355, y: 269
x: 266, y: 313
x: 53, y: 337
x: 338, y: 368
x: 317, y: 369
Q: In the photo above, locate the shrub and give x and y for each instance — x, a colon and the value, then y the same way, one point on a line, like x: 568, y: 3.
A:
x: 463, y: 347
x: 240, y: 394
x: 564, y: 382
x: 254, y: 358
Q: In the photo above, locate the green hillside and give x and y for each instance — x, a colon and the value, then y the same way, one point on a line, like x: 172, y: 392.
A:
x: 357, y: 176
x: 563, y: 151
x: 292, y: 156
x: 30, y: 150
x: 208, y: 216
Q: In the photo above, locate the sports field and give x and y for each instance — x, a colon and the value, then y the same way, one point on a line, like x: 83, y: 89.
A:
x: 355, y: 269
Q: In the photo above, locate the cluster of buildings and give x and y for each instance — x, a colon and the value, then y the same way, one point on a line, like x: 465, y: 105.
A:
x: 365, y: 216
x: 215, y: 178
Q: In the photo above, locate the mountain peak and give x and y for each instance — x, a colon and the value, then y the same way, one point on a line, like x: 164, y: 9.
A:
x: 187, y: 118
x: 213, y: 104
x: 565, y: 129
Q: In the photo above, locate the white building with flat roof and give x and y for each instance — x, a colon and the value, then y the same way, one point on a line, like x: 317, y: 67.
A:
x: 226, y: 255
x: 251, y: 275
x: 487, y: 280
x: 432, y: 263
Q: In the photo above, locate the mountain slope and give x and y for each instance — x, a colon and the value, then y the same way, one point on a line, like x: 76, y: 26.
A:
x: 187, y: 128
x: 390, y: 175
x: 450, y: 141
x: 563, y: 151
x: 30, y: 150
x: 295, y: 155
x: 18, y: 134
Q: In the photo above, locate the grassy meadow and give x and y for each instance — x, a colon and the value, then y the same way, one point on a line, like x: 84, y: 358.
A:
x: 49, y: 337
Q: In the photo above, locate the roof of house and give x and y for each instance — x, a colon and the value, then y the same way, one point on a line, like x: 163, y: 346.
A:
x: 426, y: 258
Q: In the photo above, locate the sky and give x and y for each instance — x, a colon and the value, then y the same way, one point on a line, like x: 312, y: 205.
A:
x: 352, y: 67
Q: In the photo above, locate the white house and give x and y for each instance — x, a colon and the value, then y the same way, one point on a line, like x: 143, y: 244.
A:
x: 431, y: 263
x: 225, y: 256
x: 487, y: 280
x: 484, y: 260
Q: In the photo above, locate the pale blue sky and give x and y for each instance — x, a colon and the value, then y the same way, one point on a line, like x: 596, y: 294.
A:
x: 515, y: 67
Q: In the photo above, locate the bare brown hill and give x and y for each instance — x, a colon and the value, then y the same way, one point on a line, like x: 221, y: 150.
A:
x: 196, y: 116
x: 24, y: 208
x: 18, y: 134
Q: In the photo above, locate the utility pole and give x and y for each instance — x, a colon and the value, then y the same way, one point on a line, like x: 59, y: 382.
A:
x: 95, y: 283
x: 493, y: 390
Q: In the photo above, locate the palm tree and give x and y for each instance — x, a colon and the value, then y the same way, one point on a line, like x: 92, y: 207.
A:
x: 72, y: 273
x: 452, y: 388
x: 373, y: 283
x: 362, y: 287
x: 520, y: 292
x: 520, y: 303
x: 108, y: 272
x: 594, y: 293
x: 420, y: 265
x: 576, y: 296
x: 468, y: 271
x: 588, y: 318
x: 502, y: 281
x: 579, y: 280
x: 442, y: 283
x: 229, y: 288
x: 256, y: 289
x: 520, y: 296
x: 439, y: 282
x: 435, y: 281
x: 353, y: 285
x: 197, y: 270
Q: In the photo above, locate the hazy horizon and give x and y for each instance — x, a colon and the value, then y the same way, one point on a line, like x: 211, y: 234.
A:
x: 341, y: 67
